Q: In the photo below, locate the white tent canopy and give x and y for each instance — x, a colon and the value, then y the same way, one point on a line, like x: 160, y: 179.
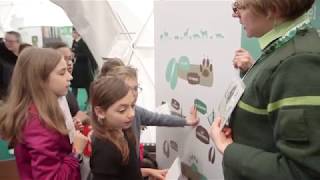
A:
x: 132, y: 38
x: 15, y: 14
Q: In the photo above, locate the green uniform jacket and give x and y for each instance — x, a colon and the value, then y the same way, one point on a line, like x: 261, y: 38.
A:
x: 276, y: 124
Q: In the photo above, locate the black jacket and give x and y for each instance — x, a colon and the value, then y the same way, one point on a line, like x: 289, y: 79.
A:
x: 7, y: 62
x: 84, y: 67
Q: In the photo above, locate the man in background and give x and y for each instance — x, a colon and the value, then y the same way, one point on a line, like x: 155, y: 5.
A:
x: 85, y: 65
x: 9, y: 50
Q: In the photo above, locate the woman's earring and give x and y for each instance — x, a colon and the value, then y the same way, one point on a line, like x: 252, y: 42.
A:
x: 101, y: 120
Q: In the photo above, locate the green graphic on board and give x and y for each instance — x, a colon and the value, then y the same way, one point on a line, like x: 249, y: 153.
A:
x: 194, y: 74
x: 192, y: 35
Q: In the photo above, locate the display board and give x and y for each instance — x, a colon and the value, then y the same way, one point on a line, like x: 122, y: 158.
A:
x: 194, y: 46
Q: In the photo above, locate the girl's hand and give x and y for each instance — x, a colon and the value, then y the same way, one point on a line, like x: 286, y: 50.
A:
x: 79, y: 142
x: 192, y: 119
x: 154, y: 174
x: 78, y: 124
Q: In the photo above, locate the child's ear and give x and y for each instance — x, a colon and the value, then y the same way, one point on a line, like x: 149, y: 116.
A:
x: 99, y: 112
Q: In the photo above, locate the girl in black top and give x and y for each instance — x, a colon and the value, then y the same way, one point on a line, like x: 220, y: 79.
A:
x: 113, y: 147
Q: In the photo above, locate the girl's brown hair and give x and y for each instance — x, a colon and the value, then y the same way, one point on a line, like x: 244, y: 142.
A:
x: 123, y: 72
x: 106, y: 91
x: 29, y: 85
x: 109, y: 64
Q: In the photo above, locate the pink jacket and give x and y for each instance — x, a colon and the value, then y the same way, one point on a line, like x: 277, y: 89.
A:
x: 44, y: 153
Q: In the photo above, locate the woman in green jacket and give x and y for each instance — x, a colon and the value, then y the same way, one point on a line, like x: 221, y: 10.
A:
x: 274, y: 130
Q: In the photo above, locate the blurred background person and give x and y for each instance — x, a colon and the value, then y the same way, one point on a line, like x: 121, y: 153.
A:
x: 9, y: 51
x: 85, y: 66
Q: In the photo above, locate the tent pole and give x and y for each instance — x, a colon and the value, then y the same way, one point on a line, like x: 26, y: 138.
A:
x: 133, y: 46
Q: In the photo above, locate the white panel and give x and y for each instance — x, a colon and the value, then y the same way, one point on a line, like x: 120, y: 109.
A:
x: 186, y: 32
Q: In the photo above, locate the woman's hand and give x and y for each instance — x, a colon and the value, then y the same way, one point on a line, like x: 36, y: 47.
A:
x: 221, y: 138
x: 154, y: 174
x: 242, y: 60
